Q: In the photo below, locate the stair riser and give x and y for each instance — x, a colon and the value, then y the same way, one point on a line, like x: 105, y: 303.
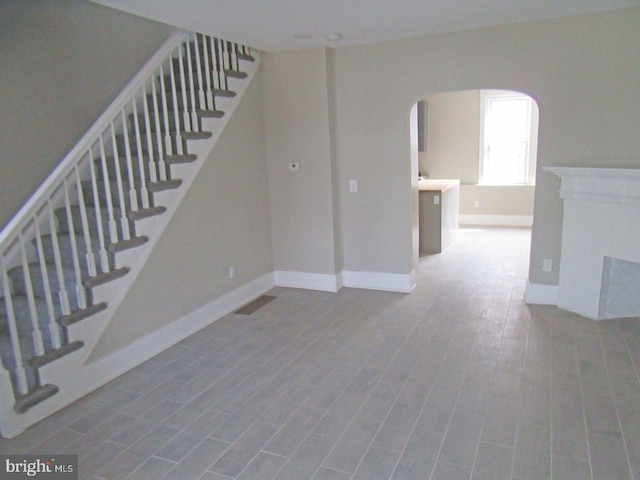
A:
x: 112, y: 171
x: 18, y: 281
x: 89, y: 196
x: 145, y: 147
x: 197, y: 86
x: 161, y: 125
x: 63, y: 225
x: 180, y: 101
x: 66, y: 251
x: 25, y: 337
x: 23, y: 317
x: 236, y: 53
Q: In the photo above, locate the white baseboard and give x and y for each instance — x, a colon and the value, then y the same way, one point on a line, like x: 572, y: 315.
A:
x: 310, y: 281
x: 497, y: 220
x: 539, y: 294
x: 104, y: 369
x: 392, y: 282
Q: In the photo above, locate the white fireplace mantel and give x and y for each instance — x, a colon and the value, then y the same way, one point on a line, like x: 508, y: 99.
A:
x: 606, y: 185
x: 600, y: 256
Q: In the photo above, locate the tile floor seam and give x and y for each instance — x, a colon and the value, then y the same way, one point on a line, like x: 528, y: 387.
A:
x: 437, y: 458
x: 584, y: 409
x: 390, y: 363
x: 615, y: 403
x: 300, y: 443
x: 355, y: 415
x: 422, y: 410
x: 382, y: 423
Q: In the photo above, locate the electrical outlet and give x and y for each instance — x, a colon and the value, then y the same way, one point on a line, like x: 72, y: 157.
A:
x: 294, y: 167
x: 547, y: 264
x: 476, y: 204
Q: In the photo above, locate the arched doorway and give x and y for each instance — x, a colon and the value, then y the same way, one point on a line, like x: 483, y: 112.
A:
x: 487, y: 139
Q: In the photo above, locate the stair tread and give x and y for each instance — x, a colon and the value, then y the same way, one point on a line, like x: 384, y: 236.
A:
x: 102, y: 278
x: 146, y: 213
x: 81, y: 314
x: 217, y: 92
x: 246, y: 57
x: 185, y: 158
x: 164, y: 185
x: 33, y: 398
x: 127, y: 244
x: 203, y: 112
x: 210, y: 113
x: 235, y: 74
x: 196, y: 135
x: 49, y: 357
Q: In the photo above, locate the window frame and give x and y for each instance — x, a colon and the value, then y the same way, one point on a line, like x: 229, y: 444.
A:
x: 486, y: 97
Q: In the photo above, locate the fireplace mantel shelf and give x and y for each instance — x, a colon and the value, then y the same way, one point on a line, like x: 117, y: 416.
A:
x: 605, y: 185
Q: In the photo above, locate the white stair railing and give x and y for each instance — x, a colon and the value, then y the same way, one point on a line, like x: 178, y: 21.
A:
x: 63, y: 235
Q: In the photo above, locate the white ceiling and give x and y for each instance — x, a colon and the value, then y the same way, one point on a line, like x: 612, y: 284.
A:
x: 274, y: 24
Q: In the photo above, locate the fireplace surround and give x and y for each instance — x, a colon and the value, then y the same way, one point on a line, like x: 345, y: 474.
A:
x: 600, y: 252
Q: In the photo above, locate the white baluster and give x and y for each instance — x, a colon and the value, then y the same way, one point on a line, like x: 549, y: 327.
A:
x: 79, y: 287
x: 168, y: 146
x: 153, y: 174
x: 216, y: 67
x: 176, y: 107
x: 63, y: 295
x: 133, y: 196
x: 204, y: 83
x: 186, y: 122
x: 124, y: 221
x: 208, y: 72
x: 84, y: 222
x: 36, y: 334
x: 16, y: 350
x: 226, y: 56
x: 236, y: 60
x: 193, y: 105
x: 103, y: 254
x: 144, y: 193
x: 222, y: 64
x: 54, y: 331
x: 113, y: 226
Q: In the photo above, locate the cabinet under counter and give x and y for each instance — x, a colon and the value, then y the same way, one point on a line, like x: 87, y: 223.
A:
x: 439, y: 204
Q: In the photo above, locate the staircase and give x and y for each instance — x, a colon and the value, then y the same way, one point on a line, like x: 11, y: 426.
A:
x: 69, y: 256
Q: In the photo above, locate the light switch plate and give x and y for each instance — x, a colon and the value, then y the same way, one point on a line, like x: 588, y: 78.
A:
x: 353, y: 186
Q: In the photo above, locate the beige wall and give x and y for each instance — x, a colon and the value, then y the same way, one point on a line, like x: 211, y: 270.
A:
x: 223, y: 221
x: 453, y: 136
x: 63, y: 62
x: 582, y: 71
x: 297, y: 109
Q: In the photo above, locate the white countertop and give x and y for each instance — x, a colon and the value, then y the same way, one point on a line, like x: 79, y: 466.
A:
x: 436, y: 184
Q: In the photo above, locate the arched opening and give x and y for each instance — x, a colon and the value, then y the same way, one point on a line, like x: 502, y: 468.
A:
x: 485, y: 139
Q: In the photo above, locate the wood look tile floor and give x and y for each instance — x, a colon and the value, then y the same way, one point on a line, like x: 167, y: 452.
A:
x: 457, y: 380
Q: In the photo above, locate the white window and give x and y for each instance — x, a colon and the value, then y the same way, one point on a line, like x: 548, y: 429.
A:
x: 509, y: 139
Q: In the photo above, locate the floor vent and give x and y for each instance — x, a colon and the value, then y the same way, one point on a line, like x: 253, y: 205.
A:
x: 255, y: 305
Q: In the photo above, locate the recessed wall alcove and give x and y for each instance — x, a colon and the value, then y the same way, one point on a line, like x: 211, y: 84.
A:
x: 600, y: 256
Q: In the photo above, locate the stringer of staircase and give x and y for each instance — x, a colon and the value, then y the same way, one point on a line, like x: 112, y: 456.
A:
x: 69, y: 256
